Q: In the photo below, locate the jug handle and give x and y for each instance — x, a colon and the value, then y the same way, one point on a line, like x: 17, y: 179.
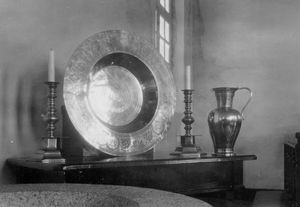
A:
x: 249, y: 99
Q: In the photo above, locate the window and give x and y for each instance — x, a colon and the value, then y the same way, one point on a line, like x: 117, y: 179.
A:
x: 163, y: 28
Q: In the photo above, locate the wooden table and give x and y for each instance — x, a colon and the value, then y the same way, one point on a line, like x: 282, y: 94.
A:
x: 172, y: 173
x: 292, y: 170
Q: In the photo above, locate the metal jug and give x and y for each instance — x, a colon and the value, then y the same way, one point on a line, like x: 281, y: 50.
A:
x: 225, y: 122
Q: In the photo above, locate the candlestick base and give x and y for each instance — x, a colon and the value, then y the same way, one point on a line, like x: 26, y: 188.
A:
x: 188, y: 148
x: 189, y: 154
x: 48, y: 157
x: 52, y: 157
x: 50, y: 152
x: 188, y: 151
x: 54, y: 160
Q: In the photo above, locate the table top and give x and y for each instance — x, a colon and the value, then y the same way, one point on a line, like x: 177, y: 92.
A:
x: 77, y: 163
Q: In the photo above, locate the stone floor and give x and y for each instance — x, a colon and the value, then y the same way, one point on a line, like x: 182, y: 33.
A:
x: 228, y: 203
x: 269, y: 199
x: 250, y: 198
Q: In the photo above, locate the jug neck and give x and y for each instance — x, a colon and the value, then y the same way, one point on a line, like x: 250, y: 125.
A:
x: 224, y: 96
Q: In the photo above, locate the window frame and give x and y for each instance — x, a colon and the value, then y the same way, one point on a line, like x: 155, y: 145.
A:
x: 168, y: 17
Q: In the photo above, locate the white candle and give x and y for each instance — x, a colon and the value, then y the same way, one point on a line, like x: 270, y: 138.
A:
x: 188, y: 78
x: 51, y: 67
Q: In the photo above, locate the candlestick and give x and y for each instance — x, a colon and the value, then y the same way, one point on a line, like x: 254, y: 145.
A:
x: 188, y: 147
x: 51, y: 152
x: 51, y: 66
x: 188, y: 78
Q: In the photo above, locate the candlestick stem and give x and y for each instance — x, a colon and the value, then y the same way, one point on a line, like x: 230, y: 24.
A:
x: 52, y: 118
x: 188, y: 140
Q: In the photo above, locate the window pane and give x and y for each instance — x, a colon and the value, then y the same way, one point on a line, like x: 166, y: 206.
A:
x: 167, y: 5
x: 167, y: 32
x: 162, y: 3
x: 161, y: 47
x: 161, y: 26
x: 167, y: 52
x: 156, y: 23
x: 163, y: 29
x: 156, y: 30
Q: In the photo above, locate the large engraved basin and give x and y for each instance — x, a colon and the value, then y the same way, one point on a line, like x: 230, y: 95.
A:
x: 73, y: 195
x: 119, y: 93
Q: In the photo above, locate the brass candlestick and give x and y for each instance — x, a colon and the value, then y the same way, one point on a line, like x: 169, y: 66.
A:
x: 188, y: 147
x: 188, y: 140
x: 51, y: 152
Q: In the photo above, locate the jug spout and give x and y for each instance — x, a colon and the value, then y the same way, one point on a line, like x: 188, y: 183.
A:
x: 224, y: 96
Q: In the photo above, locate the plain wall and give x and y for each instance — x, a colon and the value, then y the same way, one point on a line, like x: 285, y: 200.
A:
x: 253, y: 43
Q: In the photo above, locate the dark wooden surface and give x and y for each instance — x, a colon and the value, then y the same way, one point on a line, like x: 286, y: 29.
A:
x: 172, y: 173
x: 292, y: 171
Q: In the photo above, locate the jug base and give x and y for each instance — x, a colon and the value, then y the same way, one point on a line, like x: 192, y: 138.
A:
x: 227, y: 152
